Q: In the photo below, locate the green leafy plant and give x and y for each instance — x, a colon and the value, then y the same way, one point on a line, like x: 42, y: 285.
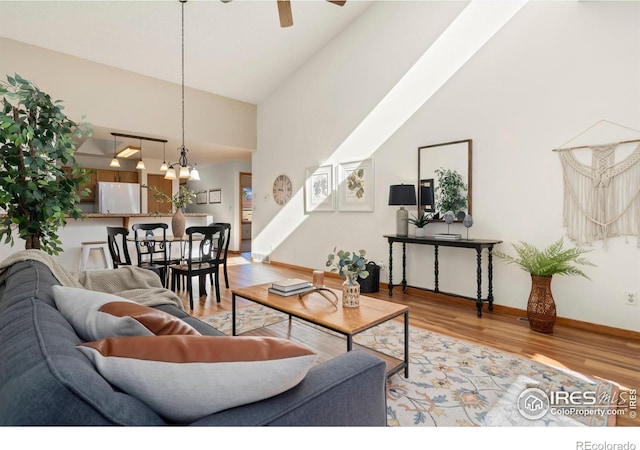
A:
x: 180, y: 199
x: 348, y: 263
x: 36, y: 141
x: 451, y: 191
x: 553, y: 260
x: 421, y: 221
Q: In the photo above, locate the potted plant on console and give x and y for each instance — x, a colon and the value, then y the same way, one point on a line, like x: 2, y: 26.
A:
x: 542, y: 265
x: 350, y: 266
x: 36, y: 141
x: 421, y: 222
x: 451, y: 193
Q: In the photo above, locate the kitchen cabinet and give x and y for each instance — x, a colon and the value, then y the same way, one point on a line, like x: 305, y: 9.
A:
x: 117, y: 176
x: 91, y: 184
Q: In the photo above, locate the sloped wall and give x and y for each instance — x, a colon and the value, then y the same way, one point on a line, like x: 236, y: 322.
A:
x: 554, y: 70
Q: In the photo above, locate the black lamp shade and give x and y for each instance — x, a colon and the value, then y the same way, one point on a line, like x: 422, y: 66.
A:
x: 426, y: 197
x: 402, y: 194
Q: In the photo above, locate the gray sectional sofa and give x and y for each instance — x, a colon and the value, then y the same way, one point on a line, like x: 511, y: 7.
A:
x: 45, y: 380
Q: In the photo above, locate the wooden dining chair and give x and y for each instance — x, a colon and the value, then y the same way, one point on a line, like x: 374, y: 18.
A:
x: 204, y: 250
x: 118, y: 249
x: 225, y: 250
x: 152, y: 248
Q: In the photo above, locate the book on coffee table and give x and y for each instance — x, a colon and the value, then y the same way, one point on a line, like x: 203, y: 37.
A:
x: 290, y: 284
x: 290, y: 293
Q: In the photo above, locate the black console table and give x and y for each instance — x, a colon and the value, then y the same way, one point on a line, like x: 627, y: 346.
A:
x: 477, y: 244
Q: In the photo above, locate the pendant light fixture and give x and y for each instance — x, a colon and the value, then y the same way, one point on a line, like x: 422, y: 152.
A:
x: 185, y: 171
x: 140, y: 165
x: 164, y: 167
x: 114, y: 161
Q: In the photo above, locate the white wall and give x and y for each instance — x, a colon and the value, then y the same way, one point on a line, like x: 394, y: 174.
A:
x: 226, y: 177
x: 121, y: 100
x: 554, y: 70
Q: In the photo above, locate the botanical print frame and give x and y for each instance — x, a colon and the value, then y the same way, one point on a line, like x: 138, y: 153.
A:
x: 201, y: 197
x: 215, y: 195
x: 356, y: 185
x: 319, y: 189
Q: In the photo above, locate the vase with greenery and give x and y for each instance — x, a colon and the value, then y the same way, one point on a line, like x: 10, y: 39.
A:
x: 178, y: 202
x: 40, y: 180
x: 451, y: 192
x: 543, y: 265
x: 351, y: 266
x: 420, y: 222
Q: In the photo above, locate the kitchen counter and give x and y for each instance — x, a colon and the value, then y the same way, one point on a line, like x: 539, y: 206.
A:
x: 125, y: 217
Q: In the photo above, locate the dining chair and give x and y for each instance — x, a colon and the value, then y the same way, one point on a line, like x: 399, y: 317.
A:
x: 152, y: 248
x: 204, y: 250
x: 225, y: 250
x: 118, y: 249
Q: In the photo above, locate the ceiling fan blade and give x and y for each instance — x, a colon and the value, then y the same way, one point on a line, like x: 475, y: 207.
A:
x: 336, y: 2
x: 284, y: 11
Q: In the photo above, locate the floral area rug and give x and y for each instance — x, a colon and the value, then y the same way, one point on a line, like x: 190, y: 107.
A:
x: 452, y: 382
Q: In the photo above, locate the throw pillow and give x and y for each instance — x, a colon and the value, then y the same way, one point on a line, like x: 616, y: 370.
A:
x: 95, y: 315
x: 184, y: 378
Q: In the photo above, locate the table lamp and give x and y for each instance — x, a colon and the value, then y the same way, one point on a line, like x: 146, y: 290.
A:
x: 402, y: 194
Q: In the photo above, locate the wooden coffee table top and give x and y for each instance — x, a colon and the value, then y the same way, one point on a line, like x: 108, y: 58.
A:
x: 315, y: 308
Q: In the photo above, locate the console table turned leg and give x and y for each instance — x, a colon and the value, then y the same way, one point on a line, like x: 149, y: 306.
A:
x: 436, y: 270
x: 490, y: 275
x: 390, y: 269
x: 479, y: 271
x: 404, y: 267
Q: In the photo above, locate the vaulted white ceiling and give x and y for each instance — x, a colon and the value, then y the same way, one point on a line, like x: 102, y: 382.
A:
x: 235, y: 49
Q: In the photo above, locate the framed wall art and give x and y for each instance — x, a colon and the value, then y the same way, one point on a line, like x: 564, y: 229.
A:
x: 215, y: 196
x: 319, y: 190
x: 356, y: 186
x: 201, y: 197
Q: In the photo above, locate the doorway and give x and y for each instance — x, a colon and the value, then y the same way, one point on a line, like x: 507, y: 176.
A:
x: 246, y: 212
x: 164, y: 186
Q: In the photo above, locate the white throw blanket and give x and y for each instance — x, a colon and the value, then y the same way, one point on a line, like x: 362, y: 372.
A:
x: 131, y: 282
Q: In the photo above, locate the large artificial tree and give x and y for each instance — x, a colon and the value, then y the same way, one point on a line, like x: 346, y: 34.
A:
x: 40, y: 180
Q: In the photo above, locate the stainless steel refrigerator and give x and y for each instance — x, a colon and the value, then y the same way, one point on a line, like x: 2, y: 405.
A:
x: 118, y: 198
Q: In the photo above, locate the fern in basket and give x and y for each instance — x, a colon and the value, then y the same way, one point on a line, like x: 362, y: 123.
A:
x: 553, y: 260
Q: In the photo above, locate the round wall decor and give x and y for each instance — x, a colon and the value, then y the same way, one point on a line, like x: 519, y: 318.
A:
x: 282, y: 189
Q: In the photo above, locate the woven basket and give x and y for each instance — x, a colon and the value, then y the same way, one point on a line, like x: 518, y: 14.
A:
x: 541, y: 308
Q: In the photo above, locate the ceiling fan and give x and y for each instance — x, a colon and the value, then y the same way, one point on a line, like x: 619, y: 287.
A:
x: 284, y: 10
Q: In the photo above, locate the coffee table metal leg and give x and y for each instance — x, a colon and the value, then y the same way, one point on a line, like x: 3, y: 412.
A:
x: 349, y: 342
x: 233, y: 314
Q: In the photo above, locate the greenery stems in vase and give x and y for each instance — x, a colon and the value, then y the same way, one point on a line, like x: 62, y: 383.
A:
x: 348, y: 264
x: 40, y: 180
x: 553, y: 260
x: 179, y: 200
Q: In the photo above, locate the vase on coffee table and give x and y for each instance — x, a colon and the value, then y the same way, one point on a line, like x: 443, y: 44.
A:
x: 351, y: 291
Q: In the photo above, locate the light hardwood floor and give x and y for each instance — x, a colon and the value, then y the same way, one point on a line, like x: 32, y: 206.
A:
x: 593, y: 353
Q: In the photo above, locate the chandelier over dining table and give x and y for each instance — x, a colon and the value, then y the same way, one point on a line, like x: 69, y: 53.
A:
x: 182, y: 169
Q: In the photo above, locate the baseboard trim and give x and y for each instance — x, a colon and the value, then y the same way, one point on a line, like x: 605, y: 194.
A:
x: 506, y: 310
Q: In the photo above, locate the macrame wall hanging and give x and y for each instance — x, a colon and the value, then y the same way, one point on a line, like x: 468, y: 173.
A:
x: 602, y: 197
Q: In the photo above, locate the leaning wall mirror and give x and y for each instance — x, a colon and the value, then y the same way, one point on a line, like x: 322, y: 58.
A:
x: 444, y: 178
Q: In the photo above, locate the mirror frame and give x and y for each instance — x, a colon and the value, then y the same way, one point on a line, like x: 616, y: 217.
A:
x: 469, y: 143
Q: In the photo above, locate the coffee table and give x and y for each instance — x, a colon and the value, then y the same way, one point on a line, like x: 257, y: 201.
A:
x: 315, y: 309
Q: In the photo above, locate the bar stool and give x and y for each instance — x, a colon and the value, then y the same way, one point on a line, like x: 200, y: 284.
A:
x: 89, y: 246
